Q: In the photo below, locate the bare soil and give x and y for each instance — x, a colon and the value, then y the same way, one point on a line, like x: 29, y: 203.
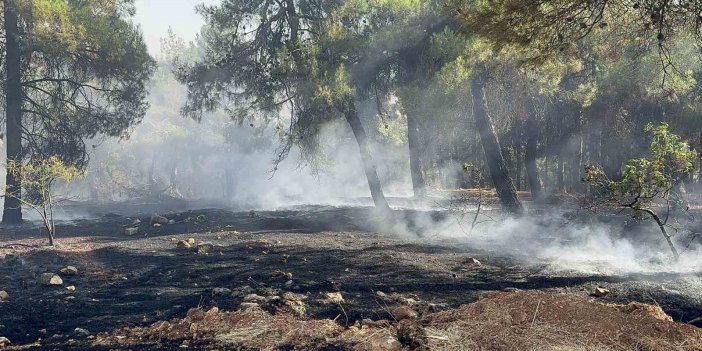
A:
x: 127, y: 287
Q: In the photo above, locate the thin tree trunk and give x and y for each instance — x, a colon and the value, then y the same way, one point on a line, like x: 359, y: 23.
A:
x: 517, y: 144
x: 560, y: 177
x: 12, y: 211
x: 530, y: 151
x: 493, y: 154
x: 349, y: 110
x: 560, y: 155
x: 577, y: 181
x: 414, y: 144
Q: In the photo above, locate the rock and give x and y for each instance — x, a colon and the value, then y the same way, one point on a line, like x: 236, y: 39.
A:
x: 191, y: 241
x: 381, y: 294
x: 4, y: 296
x: 221, y: 291
x: 71, y: 288
x: 248, y: 306
x: 136, y: 221
x: 384, y: 343
x: 158, y: 219
x: 383, y: 323
x: 333, y: 298
x: 278, y: 273
x: 183, y: 244
x: 472, y: 261
x: 69, y: 270
x: 600, y: 292
x: 50, y: 279
x: 131, y: 231
x: 157, y: 225
x: 80, y: 332
x: 404, y: 312
x: 254, y: 298
x: 4, y: 342
x: 171, y: 221
x: 289, y: 283
x: 205, y: 249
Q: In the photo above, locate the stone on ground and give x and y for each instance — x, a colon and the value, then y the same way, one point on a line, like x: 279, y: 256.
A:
x: 4, y: 296
x: 600, y: 291
x: 158, y: 219
x: 205, y: 249
x: 183, y: 244
x: 333, y: 298
x: 4, y: 342
x: 131, y: 231
x: 69, y: 270
x: 404, y: 312
x: 50, y: 279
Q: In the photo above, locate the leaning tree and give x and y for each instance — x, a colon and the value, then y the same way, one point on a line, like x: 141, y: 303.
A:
x: 294, y: 61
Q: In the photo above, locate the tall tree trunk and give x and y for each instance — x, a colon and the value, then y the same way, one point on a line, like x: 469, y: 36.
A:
x: 560, y: 177
x: 560, y: 154
x: 349, y: 110
x: 415, y: 151
x: 530, y: 156
x: 12, y: 211
x: 493, y: 154
x: 517, y: 147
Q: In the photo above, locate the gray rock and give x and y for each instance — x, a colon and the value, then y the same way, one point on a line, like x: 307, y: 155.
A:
x: 80, y: 332
x: 131, y: 231
x: 50, y: 279
x: 248, y: 306
x: 221, y: 291
x: 158, y: 219
x: 69, y: 270
x: 205, y: 249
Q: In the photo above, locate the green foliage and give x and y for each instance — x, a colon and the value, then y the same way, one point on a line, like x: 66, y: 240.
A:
x: 39, y: 178
x: 85, y: 66
x: 652, y: 178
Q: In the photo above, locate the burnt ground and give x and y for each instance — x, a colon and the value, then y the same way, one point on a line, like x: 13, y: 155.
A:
x: 136, y: 280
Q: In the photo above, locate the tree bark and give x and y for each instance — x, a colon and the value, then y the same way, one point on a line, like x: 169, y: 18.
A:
x: 560, y: 169
x: 517, y: 145
x: 493, y: 154
x: 414, y: 144
x: 530, y: 156
x: 349, y: 110
x: 12, y: 211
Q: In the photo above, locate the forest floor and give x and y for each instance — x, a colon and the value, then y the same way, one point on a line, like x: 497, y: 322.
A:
x: 319, y: 278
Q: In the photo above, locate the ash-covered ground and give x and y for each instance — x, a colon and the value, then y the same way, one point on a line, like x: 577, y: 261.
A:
x: 436, y: 258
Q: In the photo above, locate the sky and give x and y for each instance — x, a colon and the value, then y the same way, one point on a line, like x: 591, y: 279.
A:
x: 155, y: 16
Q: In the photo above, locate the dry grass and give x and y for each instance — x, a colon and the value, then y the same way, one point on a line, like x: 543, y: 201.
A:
x: 503, y: 321
x: 544, y: 321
